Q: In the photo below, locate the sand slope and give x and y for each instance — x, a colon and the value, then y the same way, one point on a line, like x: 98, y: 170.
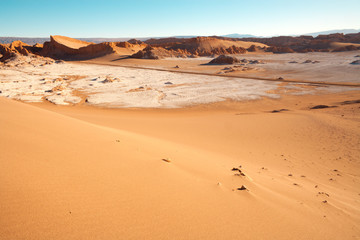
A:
x: 70, y: 42
x: 66, y: 178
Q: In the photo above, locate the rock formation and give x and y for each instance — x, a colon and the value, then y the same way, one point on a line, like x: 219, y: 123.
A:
x: 253, y: 48
x: 146, y: 53
x: 203, y: 46
x: 17, y: 47
x: 134, y: 41
x: 346, y: 48
x: 60, y: 47
x: 66, y: 48
x: 5, y: 52
x: 302, y: 44
x: 158, y: 52
x: 224, y: 59
x: 280, y: 50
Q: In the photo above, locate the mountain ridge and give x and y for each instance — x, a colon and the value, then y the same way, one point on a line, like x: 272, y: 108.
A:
x: 34, y: 40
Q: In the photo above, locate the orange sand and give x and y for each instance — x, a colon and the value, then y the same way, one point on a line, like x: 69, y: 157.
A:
x: 90, y: 173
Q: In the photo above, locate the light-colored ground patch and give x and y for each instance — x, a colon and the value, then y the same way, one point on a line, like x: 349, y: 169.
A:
x: 113, y: 86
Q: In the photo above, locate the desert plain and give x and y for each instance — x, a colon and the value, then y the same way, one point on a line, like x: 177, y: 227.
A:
x: 119, y: 147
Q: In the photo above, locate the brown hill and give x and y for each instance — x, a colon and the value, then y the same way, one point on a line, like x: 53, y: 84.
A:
x: 158, y: 53
x: 72, y: 49
x: 321, y: 43
x: 203, y: 46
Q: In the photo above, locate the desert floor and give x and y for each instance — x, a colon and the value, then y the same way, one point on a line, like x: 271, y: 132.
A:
x: 81, y: 171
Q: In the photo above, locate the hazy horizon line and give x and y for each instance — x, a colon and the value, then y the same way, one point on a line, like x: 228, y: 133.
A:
x: 191, y: 35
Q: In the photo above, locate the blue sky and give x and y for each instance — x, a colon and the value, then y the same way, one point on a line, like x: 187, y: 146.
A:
x: 146, y: 18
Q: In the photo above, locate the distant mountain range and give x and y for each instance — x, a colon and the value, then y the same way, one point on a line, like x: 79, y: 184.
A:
x: 32, y: 41
x: 344, y: 31
x: 237, y: 35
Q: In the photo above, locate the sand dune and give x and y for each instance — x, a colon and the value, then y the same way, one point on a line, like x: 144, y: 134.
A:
x: 69, y: 42
x: 85, y: 173
x: 61, y: 47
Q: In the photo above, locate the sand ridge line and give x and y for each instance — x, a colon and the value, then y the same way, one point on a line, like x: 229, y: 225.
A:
x: 227, y: 76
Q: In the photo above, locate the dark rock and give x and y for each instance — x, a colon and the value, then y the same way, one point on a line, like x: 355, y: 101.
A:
x: 320, y: 107
x: 280, y: 110
x: 239, y: 170
x: 350, y: 102
x: 242, y: 188
x: 224, y: 59
x: 255, y: 62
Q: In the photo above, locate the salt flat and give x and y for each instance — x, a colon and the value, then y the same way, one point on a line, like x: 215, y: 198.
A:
x: 33, y: 80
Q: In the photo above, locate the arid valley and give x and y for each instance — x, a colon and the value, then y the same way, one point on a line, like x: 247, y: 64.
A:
x: 180, y: 138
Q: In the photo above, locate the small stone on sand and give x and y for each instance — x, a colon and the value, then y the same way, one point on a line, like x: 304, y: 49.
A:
x: 243, y: 187
x: 166, y: 160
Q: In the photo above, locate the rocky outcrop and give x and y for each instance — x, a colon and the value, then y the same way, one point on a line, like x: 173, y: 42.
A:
x: 235, y: 50
x: 346, y: 48
x: 158, y: 53
x: 62, y: 47
x: 207, y: 46
x: 280, y: 50
x: 66, y: 48
x: 146, y: 53
x: 302, y: 44
x: 19, y: 47
x: 252, y: 48
x: 203, y: 46
x: 134, y: 41
x: 224, y: 59
x: 5, y: 52
x: 15, y: 48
